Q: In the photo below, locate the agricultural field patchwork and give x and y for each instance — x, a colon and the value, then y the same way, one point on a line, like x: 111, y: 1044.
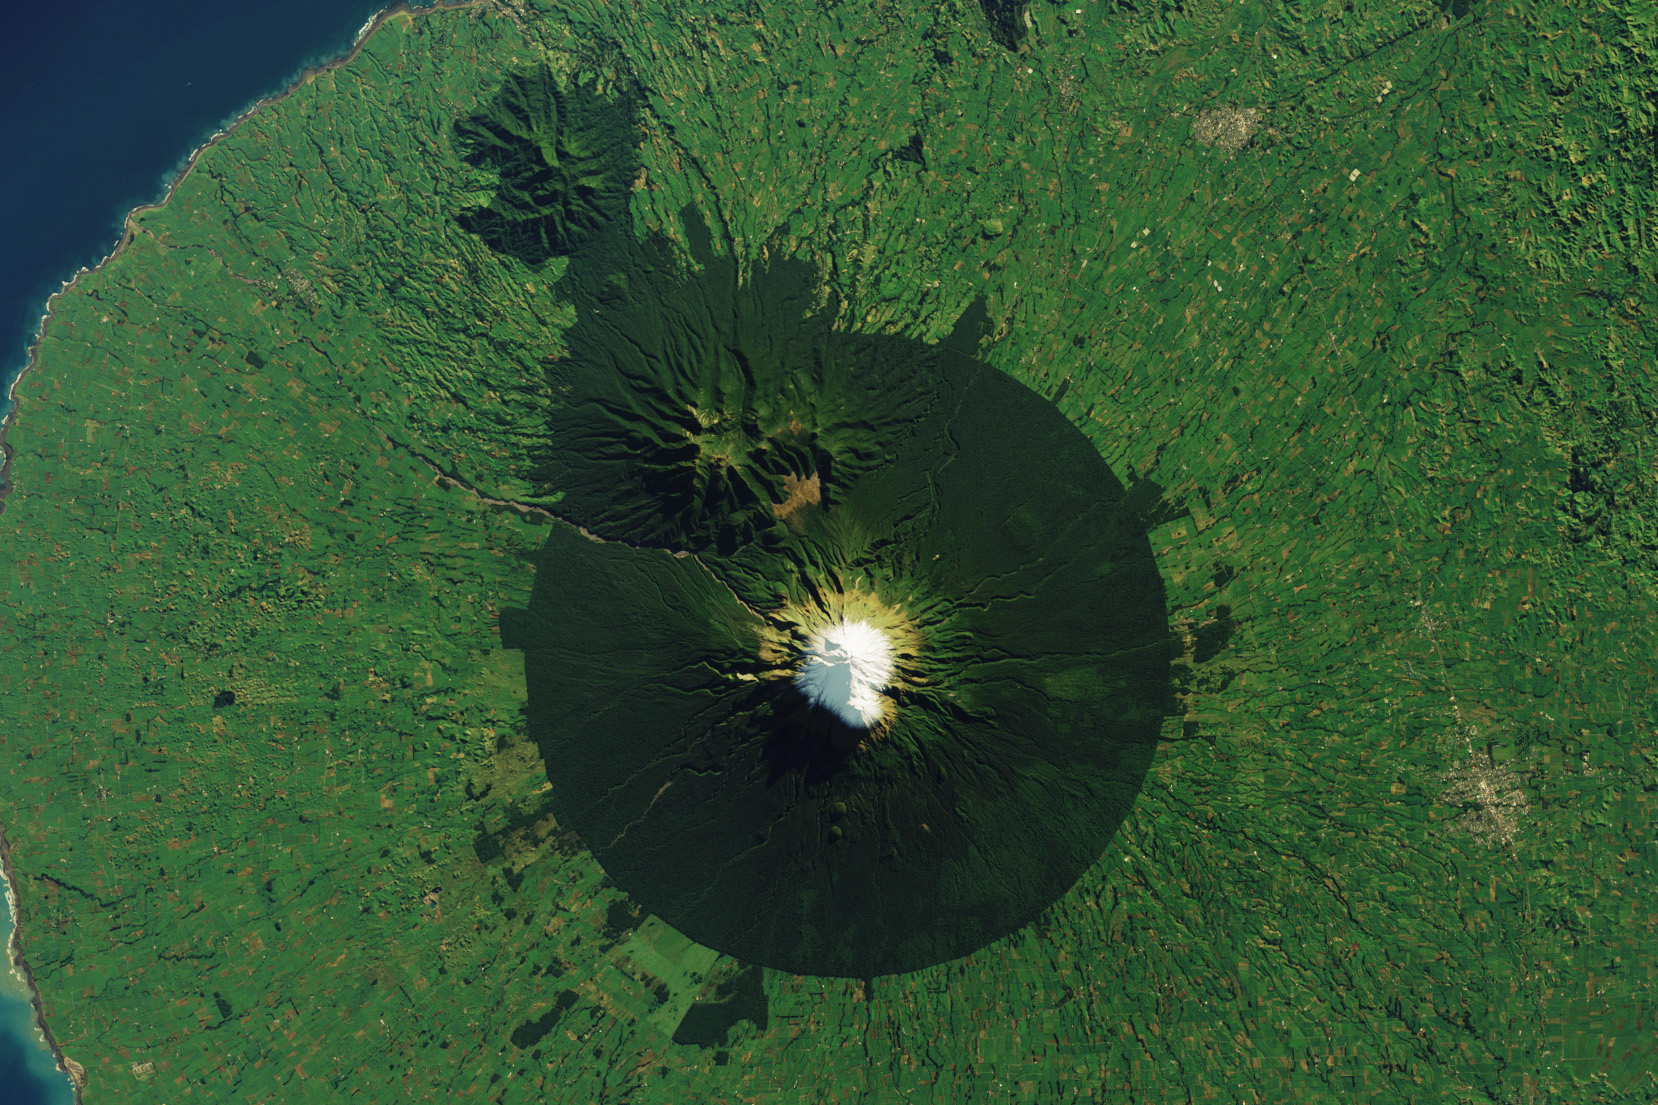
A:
x: 1353, y: 301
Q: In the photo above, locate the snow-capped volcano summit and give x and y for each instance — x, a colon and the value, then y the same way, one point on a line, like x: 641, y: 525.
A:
x: 847, y: 666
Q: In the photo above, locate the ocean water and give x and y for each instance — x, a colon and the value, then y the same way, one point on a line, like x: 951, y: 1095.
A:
x: 100, y: 103
x: 28, y: 1074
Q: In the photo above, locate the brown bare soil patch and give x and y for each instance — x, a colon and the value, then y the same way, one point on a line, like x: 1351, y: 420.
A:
x: 799, y: 495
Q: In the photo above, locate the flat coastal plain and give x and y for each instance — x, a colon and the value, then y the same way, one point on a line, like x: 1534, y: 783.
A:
x: 1357, y: 300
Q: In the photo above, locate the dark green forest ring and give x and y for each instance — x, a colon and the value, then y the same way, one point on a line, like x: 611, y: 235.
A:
x: 706, y: 785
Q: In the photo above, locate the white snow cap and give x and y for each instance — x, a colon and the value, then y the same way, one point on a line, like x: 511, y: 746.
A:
x: 847, y: 666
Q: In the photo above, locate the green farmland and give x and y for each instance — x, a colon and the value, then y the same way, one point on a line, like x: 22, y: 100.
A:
x: 1356, y: 301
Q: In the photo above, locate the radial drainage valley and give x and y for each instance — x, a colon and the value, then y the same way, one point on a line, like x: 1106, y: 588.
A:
x: 664, y: 553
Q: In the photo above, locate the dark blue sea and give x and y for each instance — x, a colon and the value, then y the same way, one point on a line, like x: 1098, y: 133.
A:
x: 28, y: 1072
x: 101, y: 101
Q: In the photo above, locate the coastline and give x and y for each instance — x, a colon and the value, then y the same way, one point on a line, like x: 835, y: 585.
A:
x: 72, y: 1070
x: 305, y: 76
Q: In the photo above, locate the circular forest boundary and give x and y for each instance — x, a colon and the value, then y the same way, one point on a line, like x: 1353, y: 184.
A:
x: 1369, y: 352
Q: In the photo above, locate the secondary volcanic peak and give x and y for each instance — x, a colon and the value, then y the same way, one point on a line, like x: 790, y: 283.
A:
x: 890, y: 651
x: 848, y: 664
x: 835, y: 750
